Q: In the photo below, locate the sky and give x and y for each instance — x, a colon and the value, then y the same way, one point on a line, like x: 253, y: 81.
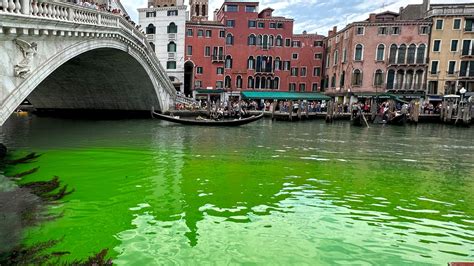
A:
x: 314, y: 16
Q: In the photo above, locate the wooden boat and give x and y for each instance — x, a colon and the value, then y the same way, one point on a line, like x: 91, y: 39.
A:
x: 208, y: 122
x: 357, y: 119
x: 399, y: 119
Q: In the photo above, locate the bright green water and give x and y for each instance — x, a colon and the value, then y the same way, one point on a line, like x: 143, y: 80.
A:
x: 267, y: 193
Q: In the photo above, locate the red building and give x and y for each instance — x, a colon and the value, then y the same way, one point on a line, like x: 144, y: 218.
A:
x: 244, y: 49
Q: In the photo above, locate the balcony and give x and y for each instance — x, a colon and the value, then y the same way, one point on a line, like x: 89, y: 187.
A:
x: 218, y: 58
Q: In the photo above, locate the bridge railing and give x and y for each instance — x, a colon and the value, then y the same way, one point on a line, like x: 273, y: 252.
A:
x: 82, y: 15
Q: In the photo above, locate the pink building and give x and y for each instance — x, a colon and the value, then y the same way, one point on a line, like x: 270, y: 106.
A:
x: 384, y: 53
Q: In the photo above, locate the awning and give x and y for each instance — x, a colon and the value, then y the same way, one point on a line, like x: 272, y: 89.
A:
x: 204, y: 91
x: 283, y: 95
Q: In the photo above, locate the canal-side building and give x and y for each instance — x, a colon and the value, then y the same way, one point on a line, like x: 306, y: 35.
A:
x: 164, y: 24
x: 383, y: 53
x: 244, y: 48
x: 451, y: 48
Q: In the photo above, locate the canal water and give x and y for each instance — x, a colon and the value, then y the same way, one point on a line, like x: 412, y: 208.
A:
x: 271, y: 193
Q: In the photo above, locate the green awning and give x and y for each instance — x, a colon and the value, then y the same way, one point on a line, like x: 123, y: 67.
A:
x: 283, y: 95
x: 204, y: 91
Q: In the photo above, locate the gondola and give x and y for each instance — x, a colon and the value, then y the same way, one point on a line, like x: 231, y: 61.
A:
x: 208, y: 122
x: 357, y: 119
x: 399, y: 119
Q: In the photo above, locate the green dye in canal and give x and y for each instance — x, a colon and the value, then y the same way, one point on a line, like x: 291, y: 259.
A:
x: 268, y: 193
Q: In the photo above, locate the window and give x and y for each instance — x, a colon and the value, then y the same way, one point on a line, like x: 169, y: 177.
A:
x: 316, y: 72
x: 227, y: 82
x: 393, y: 54
x: 220, y: 71
x: 318, y: 44
x: 150, y: 29
x: 252, y: 24
x: 219, y: 84
x: 333, y: 81
x: 328, y: 60
x: 251, y: 63
x: 294, y: 56
x: 272, y: 25
x: 457, y: 24
x: 277, y: 64
x: 200, y: 33
x: 238, y: 82
x: 451, y: 67
x: 229, y: 40
x: 287, y: 42
x: 454, y: 45
x: 378, y: 78
x: 199, y: 70
x: 232, y: 8
x: 276, y: 83
x: 341, y: 79
x: 198, y: 83
x: 382, y: 30
x: 467, y: 69
x: 357, y: 78
x: 250, y: 9
x: 171, y: 47
x: 280, y: 25
x: 469, y: 22
x: 279, y: 41
x: 295, y: 44
x: 189, y: 32
x: 292, y: 87
x: 207, y: 51
x: 230, y: 23
x: 172, y: 13
x: 402, y: 52
x: 189, y: 50
x: 315, y: 87
x: 420, y: 54
x: 221, y: 34
x: 302, y: 87
x: 424, y: 30
x: 228, y: 61
x: 360, y: 31
x: 208, y: 33
x: 395, y: 30
x: 434, y: 67
x: 303, y: 72
x: 250, y: 83
x: 358, y: 52
x: 344, y: 55
x: 468, y: 47
x: 294, y: 71
x: 172, y: 28
x: 251, y: 40
x: 336, y: 57
x: 261, y: 25
x: 439, y: 24
x: 436, y: 45
x: 380, y: 52
x: 318, y: 56
x: 286, y: 65
x: 411, y: 54
x: 151, y: 14
x: 171, y: 65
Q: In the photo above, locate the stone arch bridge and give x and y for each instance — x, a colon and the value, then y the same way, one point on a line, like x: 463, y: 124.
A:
x: 63, y: 56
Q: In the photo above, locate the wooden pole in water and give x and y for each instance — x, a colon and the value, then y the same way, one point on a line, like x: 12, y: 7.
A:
x: 290, y: 111
x: 299, y: 109
x: 274, y: 105
x: 208, y: 105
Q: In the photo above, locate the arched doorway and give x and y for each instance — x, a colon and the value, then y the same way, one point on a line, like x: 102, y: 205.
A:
x: 188, y: 77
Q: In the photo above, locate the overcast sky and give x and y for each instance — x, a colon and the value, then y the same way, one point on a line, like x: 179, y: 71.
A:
x: 313, y: 15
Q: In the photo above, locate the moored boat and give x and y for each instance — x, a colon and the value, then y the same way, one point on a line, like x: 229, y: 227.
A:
x: 208, y: 122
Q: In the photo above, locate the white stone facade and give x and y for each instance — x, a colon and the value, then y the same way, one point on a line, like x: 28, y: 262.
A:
x: 161, y: 18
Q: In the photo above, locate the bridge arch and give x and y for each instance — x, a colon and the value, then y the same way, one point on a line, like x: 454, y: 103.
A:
x: 46, y: 86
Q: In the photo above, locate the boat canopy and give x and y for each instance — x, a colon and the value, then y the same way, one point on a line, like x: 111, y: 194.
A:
x: 283, y: 95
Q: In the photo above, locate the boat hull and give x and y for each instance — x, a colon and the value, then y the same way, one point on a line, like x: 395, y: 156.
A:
x: 235, y: 122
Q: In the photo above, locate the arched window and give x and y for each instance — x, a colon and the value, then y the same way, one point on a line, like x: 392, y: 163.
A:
x: 228, y: 61
x: 150, y: 29
x: 263, y: 82
x: 250, y: 83
x: 357, y: 78
x: 259, y: 40
x: 359, y: 52
x: 259, y: 64
x: 390, y: 79
x: 411, y: 54
x: 203, y: 10
x: 380, y: 52
x: 252, y: 40
x: 393, y: 54
x: 277, y: 64
x: 197, y: 10
x: 420, y: 54
x: 279, y: 41
x: 333, y: 81
x: 276, y: 83
x: 257, y: 82
x: 251, y: 63
x: 171, y: 47
x: 402, y: 52
x: 172, y: 28
x: 270, y: 40
x: 342, y: 78
x: 269, y: 64
x: 265, y: 41
x: 229, y: 40
x: 336, y: 57
x: 238, y: 82
x: 378, y: 78
x: 227, y: 82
